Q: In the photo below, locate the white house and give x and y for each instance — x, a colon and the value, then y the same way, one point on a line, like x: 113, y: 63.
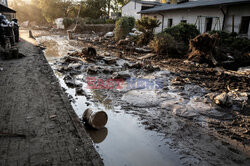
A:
x: 227, y: 15
x: 133, y: 7
x: 4, y: 2
x: 9, y: 13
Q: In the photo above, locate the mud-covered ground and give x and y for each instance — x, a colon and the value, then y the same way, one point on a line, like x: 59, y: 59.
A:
x: 182, y: 107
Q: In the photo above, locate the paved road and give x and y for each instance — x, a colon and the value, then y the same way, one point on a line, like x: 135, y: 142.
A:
x: 37, y: 123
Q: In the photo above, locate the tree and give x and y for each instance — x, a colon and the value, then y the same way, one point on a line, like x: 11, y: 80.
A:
x: 147, y: 26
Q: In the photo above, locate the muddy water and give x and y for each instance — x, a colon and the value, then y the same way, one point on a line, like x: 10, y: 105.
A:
x: 182, y: 112
x: 124, y: 141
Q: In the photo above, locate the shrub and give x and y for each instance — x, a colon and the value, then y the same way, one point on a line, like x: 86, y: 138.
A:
x: 232, y: 40
x: 131, y: 22
x: 67, y: 22
x: 110, y: 21
x: 123, y: 26
x: 163, y: 43
x: 146, y: 25
x: 183, y: 32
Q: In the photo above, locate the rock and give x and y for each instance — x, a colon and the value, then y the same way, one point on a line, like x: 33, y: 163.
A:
x: 80, y: 92
x: 121, y: 75
x: 223, y: 99
x: 1, y: 69
x: 92, y: 70
x: 110, y: 60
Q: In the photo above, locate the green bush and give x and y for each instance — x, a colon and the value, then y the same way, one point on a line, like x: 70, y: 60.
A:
x: 131, y: 22
x: 123, y: 26
x: 146, y: 25
x: 67, y: 22
x: 183, y: 32
x: 233, y: 41
x: 163, y: 43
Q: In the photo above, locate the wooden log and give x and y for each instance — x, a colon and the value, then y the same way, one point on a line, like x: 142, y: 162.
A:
x: 96, y: 119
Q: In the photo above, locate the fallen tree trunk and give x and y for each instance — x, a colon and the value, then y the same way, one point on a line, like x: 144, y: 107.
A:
x: 96, y: 119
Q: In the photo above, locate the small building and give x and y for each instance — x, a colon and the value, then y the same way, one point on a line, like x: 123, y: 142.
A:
x: 227, y: 15
x: 133, y: 7
x: 5, y: 10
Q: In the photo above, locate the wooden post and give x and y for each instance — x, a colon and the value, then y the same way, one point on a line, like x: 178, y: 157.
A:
x: 96, y: 119
x: 30, y: 34
x: 232, y: 23
x: 69, y: 32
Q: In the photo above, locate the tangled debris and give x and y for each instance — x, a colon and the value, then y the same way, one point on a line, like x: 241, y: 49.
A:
x: 203, y: 49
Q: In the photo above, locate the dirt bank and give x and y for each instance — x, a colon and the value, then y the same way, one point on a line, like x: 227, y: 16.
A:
x: 37, y: 123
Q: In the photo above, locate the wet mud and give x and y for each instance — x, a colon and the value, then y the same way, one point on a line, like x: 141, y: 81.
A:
x: 173, y: 120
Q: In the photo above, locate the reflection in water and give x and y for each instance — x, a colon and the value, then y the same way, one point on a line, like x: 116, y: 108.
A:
x: 98, y: 136
x: 124, y: 141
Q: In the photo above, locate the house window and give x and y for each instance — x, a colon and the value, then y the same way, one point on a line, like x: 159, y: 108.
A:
x: 209, y: 22
x: 183, y: 21
x: 170, y: 22
x: 244, y: 24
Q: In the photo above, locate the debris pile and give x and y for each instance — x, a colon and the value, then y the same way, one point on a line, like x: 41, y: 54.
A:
x: 203, y: 49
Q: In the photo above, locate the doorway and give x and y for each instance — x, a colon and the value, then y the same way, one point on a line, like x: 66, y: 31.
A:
x: 209, y: 22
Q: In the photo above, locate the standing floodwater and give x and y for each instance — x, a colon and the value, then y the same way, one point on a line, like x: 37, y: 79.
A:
x: 123, y: 141
x: 174, y: 106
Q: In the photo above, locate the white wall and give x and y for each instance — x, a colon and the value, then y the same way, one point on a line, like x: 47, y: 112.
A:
x: 191, y: 16
x: 238, y: 11
x: 4, y: 2
x: 131, y: 10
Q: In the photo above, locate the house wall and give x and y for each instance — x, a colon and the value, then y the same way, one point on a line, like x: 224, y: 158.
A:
x: 131, y: 10
x: 191, y: 16
x: 238, y: 11
x: 4, y: 2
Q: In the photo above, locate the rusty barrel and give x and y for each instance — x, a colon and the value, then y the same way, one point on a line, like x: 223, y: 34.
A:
x: 96, y: 119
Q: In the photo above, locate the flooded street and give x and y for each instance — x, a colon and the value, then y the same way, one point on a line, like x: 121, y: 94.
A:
x: 161, y: 123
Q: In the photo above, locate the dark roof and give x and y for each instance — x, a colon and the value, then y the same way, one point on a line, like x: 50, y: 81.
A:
x: 149, y: 2
x: 193, y: 4
x: 4, y: 9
